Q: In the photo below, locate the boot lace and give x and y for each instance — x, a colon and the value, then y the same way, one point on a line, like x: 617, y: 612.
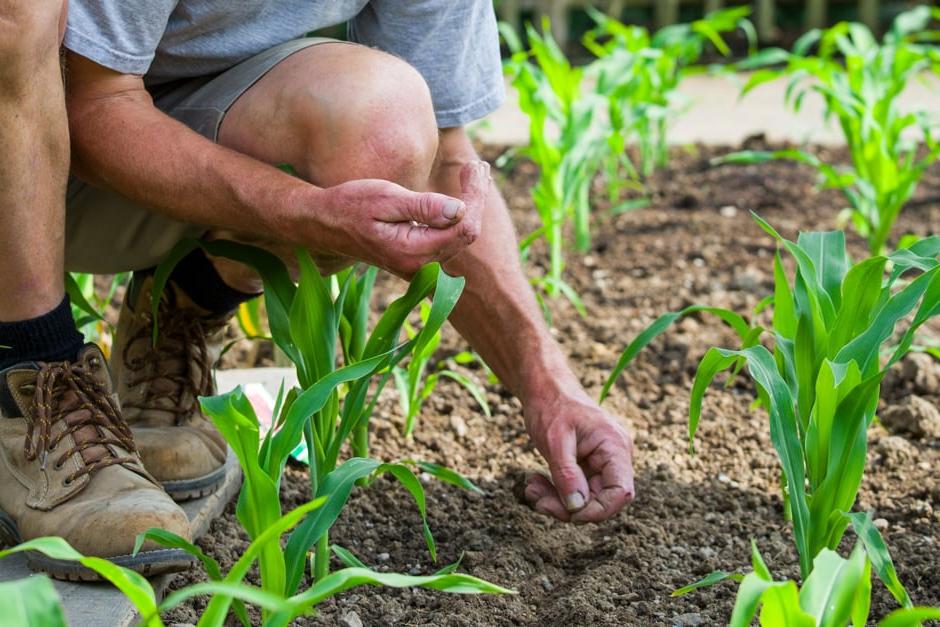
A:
x: 181, y: 338
x: 91, y: 404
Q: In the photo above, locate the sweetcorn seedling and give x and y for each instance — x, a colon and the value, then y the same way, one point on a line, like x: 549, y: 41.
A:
x: 821, y: 384
x: 567, y: 141
x: 415, y: 385
x: 314, y: 322
x: 860, y: 82
x: 835, y: 594
x: 639, y: 74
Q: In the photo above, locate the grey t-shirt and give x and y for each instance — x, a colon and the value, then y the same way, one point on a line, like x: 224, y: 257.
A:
x: 454, y: 45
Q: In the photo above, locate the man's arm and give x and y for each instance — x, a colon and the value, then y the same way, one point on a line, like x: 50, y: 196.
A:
x: 588, y: 452
x: 122, y: 142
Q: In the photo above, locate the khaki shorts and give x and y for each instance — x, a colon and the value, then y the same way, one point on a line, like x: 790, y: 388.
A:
x: 107, y: 233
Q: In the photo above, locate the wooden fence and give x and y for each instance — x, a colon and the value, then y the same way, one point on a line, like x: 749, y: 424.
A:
x: 666, y: 12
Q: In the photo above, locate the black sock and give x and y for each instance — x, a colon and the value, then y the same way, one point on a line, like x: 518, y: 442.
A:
x: 197, y: 277
x: 50, y: 337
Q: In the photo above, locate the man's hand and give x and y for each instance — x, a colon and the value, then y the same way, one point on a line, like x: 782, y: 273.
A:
x: 389, y: 226
x: 590, y: 457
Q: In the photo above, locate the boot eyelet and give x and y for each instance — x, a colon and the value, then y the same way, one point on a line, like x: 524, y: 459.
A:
x: 59, y: 464
x: 67, y: 482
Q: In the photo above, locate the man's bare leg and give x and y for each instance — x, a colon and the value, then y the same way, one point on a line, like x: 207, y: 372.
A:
x: 35, y: 163
x: 337, y: 112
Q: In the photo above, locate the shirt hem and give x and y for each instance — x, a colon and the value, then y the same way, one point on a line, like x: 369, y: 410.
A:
x: 473, y: 111
x: 84, y: 45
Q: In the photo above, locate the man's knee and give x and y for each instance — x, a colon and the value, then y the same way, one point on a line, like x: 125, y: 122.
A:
x: 29, y: 37
x: 385, y: 127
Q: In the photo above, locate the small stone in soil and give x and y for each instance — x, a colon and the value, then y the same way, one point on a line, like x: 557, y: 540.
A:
x: 415, y: 570
x: 547, y: 584
x: 382, y: 557
x: 880, y: 524
x: 692, y: 619
x: 917, y: 417
x: 350, y: 619
x: 458, y: 425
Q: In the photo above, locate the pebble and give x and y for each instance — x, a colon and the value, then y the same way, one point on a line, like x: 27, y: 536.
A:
x: 917, y: 416
x: 350, y: 619
x: 415, y: 570
x: 880, y: 524
x: 692, y: 619
x: 729, y: 211
x: 382, y: 557
x: 458, y: 425
x: 896, y: 452
x: 547, y: 584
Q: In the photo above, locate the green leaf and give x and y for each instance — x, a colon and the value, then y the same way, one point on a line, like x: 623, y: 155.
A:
x: 347, y: 578
x: 31, y: 602
x: 735, y: 321
x: 708, y: 580
x: 77, y: 298
x: 468, y: 384
x: 910, y: 617
x: 828, y: 594
x: 877, y: 551
x: 347, y: 557
x: 447, y: 475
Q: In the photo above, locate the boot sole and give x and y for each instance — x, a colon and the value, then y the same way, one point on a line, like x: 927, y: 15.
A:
x: 189, y: 489
x: 146, y: 563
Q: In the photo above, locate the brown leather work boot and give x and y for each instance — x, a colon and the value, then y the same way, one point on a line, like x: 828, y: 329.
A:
x: 68, y: 468
x: 159, y: 387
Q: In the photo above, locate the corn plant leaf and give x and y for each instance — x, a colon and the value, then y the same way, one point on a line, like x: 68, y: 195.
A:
x: 783, y: 423
x: 468, y: 384
x: 224, y: 590
x: 77, y: 298
x: 910, y: 617
x: 879, y: 555
x: 732, y: 319
x: 829, y: 592
x: 447, y: 475
x: 781, y: 606
x: 32, y: 601
x: 132, y: 585
x: 346, y: 557
x: 336, y: 487
x: 347, y: 578
x: 313, y: 323
x: 708, y: 580
x: 218, y: 606
x: 278, y: 287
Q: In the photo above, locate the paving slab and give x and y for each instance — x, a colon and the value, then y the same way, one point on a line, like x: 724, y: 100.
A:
x: 716, y: 115
x: 100, y: 604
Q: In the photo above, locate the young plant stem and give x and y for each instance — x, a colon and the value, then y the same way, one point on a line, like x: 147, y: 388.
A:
x: 360, y: 443
x: 321, y: 559
x: 557, y: 262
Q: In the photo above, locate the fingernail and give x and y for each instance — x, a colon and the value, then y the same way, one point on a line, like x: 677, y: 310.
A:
x: 451, y: 208
x: 574, y: 501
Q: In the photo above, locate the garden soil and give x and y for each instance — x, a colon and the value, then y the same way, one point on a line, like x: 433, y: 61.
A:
x: 694, y: 244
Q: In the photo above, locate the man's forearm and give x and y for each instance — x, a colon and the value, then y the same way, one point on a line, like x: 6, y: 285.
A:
x: 497, y: 312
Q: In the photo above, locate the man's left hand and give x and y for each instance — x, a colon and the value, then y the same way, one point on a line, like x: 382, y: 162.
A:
x: 590, y: 457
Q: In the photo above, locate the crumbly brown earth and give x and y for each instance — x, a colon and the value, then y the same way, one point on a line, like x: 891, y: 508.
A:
x: 695, y: 244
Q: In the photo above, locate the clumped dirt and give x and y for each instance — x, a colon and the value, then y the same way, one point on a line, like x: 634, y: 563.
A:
x: 695, y: 244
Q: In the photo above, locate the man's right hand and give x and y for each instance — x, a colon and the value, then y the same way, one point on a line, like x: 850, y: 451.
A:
x: 399, y: 230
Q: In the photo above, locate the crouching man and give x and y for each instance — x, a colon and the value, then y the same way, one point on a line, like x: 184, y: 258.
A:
x: 179, y: 111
